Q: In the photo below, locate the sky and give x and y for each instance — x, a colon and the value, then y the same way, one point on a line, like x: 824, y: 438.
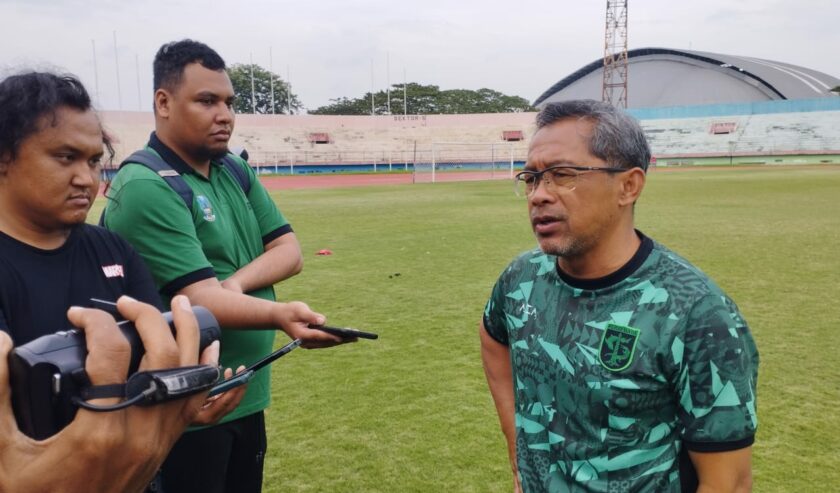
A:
x: 342, y: 48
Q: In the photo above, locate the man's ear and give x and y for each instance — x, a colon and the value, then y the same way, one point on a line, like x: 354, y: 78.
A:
x: 162, y: 101
x: 632, y: 184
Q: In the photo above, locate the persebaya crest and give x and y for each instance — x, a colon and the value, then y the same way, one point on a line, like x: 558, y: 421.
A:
x: 618, y: 345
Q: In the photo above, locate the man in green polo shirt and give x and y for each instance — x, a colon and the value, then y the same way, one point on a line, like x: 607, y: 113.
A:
x: 225, y: 252
x: 615, y: 365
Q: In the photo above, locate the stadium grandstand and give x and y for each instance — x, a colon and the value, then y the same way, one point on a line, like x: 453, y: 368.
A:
x: 695, y: 107
x: 318, y: 143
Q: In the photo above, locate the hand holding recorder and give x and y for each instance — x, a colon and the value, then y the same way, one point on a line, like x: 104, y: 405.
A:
x: 115, y: 451
x: 244, y: 375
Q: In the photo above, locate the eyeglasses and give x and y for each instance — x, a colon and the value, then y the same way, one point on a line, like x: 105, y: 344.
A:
x: 560, y: 179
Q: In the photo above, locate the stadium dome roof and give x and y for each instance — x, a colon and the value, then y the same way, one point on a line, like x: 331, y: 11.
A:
x: 667, y: 77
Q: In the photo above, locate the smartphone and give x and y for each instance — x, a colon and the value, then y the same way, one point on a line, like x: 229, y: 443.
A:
x: 244, y: 377
x: 232, y: 382
x: 345, y: 332
x: 106, y: 306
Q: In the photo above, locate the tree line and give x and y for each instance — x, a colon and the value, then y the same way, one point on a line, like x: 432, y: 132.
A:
x: 419, y: 99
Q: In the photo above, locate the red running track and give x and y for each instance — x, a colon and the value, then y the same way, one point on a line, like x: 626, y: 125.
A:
x: 317, y: 180
x: 290, y: 182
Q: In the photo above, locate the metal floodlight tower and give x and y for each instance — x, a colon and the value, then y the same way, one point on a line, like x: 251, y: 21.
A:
x: 615, y: 55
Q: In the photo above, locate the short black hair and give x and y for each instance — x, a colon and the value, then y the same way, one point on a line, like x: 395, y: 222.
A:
x: 27, y: 97
x: 173, y: 57
x: 617, y: 138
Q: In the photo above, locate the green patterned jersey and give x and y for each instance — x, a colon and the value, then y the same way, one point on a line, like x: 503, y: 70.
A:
x: 616, y: 378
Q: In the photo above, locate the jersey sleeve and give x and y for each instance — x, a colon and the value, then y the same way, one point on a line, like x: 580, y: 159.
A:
x: 716, y: 371
x: 151, y: 216
x: 494, y: 315
x: 271, y: 221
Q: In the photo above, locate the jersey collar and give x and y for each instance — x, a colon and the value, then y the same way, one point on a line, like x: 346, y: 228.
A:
x: 616, y: 277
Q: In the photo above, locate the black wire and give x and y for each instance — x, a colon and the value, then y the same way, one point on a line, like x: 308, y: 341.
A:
x: 115, y: 407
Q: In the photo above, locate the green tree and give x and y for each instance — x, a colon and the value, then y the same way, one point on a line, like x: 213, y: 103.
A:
x: 836, y: 89
x: 345, y: 106
x: 427, y: 100
x: 240, y: 77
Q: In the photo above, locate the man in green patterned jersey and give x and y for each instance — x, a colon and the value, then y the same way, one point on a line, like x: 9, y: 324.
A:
x: 615, y: 365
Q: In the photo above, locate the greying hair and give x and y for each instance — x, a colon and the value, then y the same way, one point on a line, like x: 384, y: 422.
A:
x: 617, y: 137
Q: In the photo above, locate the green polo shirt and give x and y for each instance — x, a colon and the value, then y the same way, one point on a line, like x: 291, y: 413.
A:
x: 224, y: 231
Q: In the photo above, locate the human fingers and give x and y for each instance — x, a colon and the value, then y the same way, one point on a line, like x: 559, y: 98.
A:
x: 161, y: 350
x: 210, y: 355
x: 7, y: 418
x: 312, y: 339
x: 108, y: 350
x: 300, y: 312
x: 186, y: 330
x: 298, y: 317
x: 227, y: 373
x: 193, y: 405
x: 218, y: 406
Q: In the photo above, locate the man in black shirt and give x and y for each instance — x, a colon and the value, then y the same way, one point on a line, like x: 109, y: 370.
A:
x: 51, y: 145
x: 51, y: 149
x: 37, y: 284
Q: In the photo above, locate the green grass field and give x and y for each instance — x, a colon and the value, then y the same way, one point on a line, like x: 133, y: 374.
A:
x: 411, y: 411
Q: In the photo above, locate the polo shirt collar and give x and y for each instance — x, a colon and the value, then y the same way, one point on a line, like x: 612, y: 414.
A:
x: 171, y: 157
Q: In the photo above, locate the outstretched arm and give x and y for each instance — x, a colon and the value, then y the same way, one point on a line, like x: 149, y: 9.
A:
x: 234, y: 310
x: 496, y: 359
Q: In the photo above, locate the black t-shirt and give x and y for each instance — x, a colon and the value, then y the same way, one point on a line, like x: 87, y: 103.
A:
x: 38, y: 286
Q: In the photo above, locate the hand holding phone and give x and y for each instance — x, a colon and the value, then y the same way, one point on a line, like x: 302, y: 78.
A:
x: 245, y: 376
x: 232, y: 382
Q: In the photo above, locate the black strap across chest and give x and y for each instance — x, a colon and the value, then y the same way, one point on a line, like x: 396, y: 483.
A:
x: 175, y: 180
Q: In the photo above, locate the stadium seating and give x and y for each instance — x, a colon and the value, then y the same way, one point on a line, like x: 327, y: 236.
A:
x: 762, y: 134
x: 400, y: 139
